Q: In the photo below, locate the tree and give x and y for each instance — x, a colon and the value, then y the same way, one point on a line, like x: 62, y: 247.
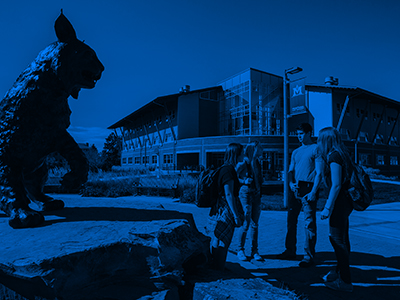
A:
x: 56, y: 161
x: 93, y: 157
x: 111, y: 154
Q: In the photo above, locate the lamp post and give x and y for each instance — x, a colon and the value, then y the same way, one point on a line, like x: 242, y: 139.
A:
x: 286, y: 82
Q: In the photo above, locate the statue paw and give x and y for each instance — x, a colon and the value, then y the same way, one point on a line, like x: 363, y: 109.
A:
x: 47, y: 203
x: 21, y: 218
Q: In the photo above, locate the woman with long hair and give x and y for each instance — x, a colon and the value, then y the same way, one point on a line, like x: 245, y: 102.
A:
x: 229, y: 213
x: 338, y: 205
x: 250, y: 179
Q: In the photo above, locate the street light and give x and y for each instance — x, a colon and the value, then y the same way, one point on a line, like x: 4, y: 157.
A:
x: 286, y: 82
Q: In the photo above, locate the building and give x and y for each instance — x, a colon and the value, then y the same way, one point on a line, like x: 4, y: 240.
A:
x: 192, y: 128
x: 369, y: 125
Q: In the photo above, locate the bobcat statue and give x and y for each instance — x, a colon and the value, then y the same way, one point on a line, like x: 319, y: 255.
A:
x: 34, y: 117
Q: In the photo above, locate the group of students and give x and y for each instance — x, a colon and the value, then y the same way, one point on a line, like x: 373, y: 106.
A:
x: 239, y: 203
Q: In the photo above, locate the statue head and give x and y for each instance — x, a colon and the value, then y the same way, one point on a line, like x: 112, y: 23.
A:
x: 77, y: 64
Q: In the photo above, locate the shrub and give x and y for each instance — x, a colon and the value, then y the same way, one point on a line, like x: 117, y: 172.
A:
x: 116, y: 187
x: 133, y: 170
x: 121, y: 182
x: 374, y: 174
x: 187, y: 188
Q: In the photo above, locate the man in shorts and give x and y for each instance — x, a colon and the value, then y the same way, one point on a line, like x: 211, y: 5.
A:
x: 305, y: 169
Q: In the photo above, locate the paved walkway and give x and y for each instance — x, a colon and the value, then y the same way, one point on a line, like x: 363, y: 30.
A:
x: 386, y: 181
x: 375, y: 258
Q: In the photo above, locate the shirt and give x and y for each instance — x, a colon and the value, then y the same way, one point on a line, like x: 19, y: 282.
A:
x: 303, y: 162
x: 227, y: 173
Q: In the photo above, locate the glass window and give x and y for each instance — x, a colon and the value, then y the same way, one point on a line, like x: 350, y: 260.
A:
x: 380, y: 160
x: 154, y: 159
x: 124, y: 160
x: 168, y: 159
x: 365, y: 159
x: 137, y: 160
x: 130, y: 159
x: 393, y: 161
x: 393, y: 141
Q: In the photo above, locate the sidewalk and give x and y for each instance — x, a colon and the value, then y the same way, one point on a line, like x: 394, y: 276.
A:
x: 375, y: 258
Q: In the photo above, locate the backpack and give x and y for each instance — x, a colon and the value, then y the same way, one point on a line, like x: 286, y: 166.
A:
x: 207, y: 188
x: 360, y: 188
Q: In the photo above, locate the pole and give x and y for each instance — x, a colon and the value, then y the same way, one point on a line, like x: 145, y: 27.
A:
x: 285, y: 143
x: 356, y: 152
x: 343, y: 112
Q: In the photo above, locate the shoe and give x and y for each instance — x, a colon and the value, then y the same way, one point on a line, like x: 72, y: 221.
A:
x: 306, y: 263
x: 339, y: 285
x: 241, y: 255
x: 330, y: 276
x: 257, y: 257
x: 286, y: 255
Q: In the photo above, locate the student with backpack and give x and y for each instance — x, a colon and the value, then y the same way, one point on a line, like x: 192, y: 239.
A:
x: 228, y: 210
x: 250, y: 179
x: 338, y: 205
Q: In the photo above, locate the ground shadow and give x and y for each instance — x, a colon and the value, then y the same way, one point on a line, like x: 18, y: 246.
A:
x: 374, y: 277
x: 382, y: 209
x: 76, y: 214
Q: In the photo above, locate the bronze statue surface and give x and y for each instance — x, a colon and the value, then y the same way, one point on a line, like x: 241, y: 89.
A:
x: 34, y: 117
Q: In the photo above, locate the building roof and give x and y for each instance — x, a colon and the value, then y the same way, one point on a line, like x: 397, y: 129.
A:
x: 246, y: 70
x: 156, y: 102
x: 355, y: 89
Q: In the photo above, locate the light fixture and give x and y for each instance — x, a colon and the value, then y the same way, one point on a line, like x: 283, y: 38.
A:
x: 293, y: 70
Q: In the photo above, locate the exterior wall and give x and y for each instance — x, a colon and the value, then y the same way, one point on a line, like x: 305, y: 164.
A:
x: 193, y: 152
x: 234, y: 108
x: 157, y: 138
x: 253, y: 104
x: 136, y: 149
x: 189, y: 115
x: 266, y: 103
x: 379, y: 120
x: 209, y: 112
x: 382, y: 152
x: 383, y: 157
x: 198, y: 114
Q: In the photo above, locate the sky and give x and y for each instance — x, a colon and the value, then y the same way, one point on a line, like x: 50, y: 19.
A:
x: 153, y: 48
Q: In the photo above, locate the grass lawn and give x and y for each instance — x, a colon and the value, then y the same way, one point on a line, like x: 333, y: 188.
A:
x: 383, y: 193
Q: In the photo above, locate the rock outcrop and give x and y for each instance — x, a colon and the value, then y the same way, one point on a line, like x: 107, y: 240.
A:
x: 100, y: 249
x: 240, y: 289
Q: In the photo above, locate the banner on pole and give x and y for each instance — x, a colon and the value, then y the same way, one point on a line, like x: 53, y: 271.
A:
x: 297, y: 97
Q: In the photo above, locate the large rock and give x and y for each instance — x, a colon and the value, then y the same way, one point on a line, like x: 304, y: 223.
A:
x: 100, y: 249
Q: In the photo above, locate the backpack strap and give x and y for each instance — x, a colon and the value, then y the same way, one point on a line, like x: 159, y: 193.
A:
x: 248, y: 168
